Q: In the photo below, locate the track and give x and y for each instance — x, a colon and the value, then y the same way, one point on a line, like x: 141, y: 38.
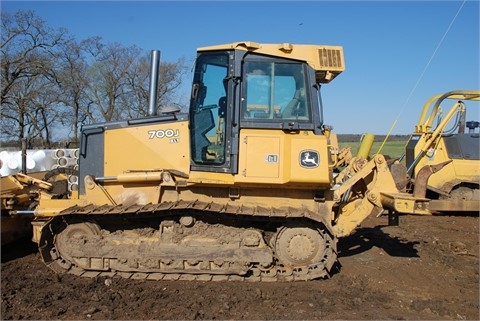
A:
x: 189, y: 241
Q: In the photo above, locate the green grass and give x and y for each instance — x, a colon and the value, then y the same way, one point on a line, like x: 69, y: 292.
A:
x: 393, y: 149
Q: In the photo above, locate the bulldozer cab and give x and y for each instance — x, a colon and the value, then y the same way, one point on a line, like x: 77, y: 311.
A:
x: 248, y: 85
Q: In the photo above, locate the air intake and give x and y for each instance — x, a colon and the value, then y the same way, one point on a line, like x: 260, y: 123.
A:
x: 330, y: 59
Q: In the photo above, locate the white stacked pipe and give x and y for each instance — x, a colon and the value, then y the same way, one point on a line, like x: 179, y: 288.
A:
x: 56, y: 154
x: 73, y: 162
x: 66, y: 162
x: 37, y: 160
x: 4, y: 158
x: 65, y: 157
x: 74, y: 153
x: 72, y: 183
x: 47, y: 160
x: 15, y: 161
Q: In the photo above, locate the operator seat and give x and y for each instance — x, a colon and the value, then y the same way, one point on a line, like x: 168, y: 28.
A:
x: 203, y: 122
x: 292, y: 110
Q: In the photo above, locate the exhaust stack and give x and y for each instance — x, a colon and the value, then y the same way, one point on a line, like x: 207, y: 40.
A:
x: 152, y: 100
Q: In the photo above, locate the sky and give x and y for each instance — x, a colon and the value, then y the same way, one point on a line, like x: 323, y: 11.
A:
x: 397, y: 53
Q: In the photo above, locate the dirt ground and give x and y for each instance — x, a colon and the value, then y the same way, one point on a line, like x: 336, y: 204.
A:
x: 427, y: 268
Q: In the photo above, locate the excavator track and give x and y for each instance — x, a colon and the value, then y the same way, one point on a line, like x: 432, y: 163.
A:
x: 189, y: 241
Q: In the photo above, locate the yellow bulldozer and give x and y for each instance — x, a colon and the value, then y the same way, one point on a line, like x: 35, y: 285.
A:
x: 249, y: 184
x: 19, y: 195
x: 442, y: 155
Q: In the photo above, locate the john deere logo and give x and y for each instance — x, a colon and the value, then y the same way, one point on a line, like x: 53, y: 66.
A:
x: 309, y: 158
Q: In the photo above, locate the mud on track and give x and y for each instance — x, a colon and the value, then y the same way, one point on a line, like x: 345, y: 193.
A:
x: 426, y: 268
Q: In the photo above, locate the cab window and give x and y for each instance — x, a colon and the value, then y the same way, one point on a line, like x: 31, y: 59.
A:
x: 274, y: 92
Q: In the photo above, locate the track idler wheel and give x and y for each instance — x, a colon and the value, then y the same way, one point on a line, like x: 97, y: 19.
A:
x: 304, y: 251
x: 68, y: 243
x: 299, y: 246
x: 74, y: 235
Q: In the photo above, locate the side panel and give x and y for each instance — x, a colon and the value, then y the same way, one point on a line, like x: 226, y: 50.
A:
x: 262, y: 157
x: 278, y: 157
x: 143, y: 146
x: 463, y: 146
x: 410, y: 151
x: 459, y: 170
x: 152, y: 147
x: 91, y: 154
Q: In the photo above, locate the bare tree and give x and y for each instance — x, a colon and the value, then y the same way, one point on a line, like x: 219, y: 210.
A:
x: 71, y: 71
x: 170, y: 79
x: 26, y: 51
x: 51, y: 84
x: 108, y: 82
x: 118, y: 81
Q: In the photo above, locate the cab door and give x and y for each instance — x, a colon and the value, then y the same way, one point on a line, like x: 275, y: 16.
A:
x: 210, y: 116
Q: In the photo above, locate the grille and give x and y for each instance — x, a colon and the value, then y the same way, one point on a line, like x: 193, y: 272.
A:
x: 330, y: 58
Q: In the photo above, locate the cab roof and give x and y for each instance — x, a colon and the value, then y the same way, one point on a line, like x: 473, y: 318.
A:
x: 328, y: 61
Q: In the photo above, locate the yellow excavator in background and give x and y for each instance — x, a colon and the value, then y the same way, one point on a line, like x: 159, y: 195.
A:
x: 248, y: 185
